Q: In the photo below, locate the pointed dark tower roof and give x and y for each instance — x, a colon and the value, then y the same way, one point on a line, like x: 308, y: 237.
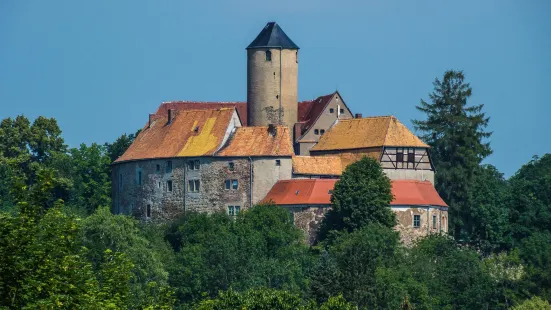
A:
x: 272, y: 36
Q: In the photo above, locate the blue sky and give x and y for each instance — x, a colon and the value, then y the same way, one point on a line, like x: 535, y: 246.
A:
x: 99, y: 67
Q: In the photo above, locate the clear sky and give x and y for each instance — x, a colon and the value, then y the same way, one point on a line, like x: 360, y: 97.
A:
x: 99, y: 67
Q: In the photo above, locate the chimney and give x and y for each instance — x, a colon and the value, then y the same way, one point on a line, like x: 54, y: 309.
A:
x: 358, y: 115
x: 272, y: 130
x: 150, y: 117
x: 169, y: 116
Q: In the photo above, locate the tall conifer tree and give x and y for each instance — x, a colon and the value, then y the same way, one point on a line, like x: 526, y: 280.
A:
x: 456, y: 133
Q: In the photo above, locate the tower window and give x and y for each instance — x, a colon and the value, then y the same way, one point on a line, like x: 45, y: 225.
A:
x: 331, y: 110
x: 296, y: 56
x: 316, y: 132
x: 148, y: 211
x: 268, y: 56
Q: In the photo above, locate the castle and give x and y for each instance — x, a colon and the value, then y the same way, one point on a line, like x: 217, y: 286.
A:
x: 228, y: 156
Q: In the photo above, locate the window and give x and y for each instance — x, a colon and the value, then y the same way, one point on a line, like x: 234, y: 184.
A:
x: 268, y: 56
x: 434, y: 221
x: 278, y: 162
x: 148, y: 211
x: 322, y: 131
x: 232, y: 184
x: 139, y: 178
x: 342, y: 111
x: 417, y: 221
x: 316, y: 132
x: 158, y: 168
x: 169, y: 166
x: 399, y: 157
x: 159, y: 185
x: 233, y: 210
x: 193, y: 165
x: 231, y: 166
x: 411, y: 157
x: 331, y: 110
x: 296, y: 56
x: 169, y: 185
x: 193, y: 186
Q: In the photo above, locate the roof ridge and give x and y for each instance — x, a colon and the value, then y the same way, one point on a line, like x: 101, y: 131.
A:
x: 388, y: 128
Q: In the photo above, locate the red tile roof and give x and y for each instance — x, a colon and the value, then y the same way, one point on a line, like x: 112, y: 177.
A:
x: 241, y: 107
x: 316, y: 192
x: 190, y: 133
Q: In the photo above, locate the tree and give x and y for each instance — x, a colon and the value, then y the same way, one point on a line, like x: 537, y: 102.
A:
x: 486, y: 214
x: 362, y: 196
x: 534, y: 303
x: 117, y: 148
x: 530, y: 203
x: 455, y: 132
x: 535, y: 254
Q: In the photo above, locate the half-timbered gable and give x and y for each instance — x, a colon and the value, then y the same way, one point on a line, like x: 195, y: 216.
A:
x: 401, y: 154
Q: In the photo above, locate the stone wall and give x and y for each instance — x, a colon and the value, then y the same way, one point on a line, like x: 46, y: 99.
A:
x: 309, y: 218
x: 129, y: 197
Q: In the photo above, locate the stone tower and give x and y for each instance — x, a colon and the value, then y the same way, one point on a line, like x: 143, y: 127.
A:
x: 272, y: 78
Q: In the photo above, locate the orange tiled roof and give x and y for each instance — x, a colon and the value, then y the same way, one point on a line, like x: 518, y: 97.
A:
x: 317, y: 165
x: 259, y: 141
x: 190, y: 133
x: 241, y: 107
x: 316, y: 192
x: 367, y: 132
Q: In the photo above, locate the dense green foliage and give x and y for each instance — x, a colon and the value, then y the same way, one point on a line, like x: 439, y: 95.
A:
x: 455, y: 132
x: 362, y: 196
x: 61, y: 247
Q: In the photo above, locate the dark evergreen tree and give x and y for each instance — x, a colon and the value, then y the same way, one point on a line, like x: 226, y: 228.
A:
x: 456, y: 133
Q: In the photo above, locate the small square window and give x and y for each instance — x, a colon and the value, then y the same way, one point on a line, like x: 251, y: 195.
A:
x: 316, y: 132
x: 190, y: 165
x: 331, y: 110
x: 234, y: 184
x: 278, y: 162
x: 148, y: 211
x: 169, y: 166
x: 158, y: 168
x: 231, y: 166
x: 417, y: 221
x: 322, y: 131
x: 228, y: 184
x: 233, y: 210
x: 169, y: 186
x: 197, y: 164
x: 342, y: 111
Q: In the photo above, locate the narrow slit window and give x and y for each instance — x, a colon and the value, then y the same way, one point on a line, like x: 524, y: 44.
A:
x: 158, y: 168
x: 169, y: 186
x: 139, y: 178
x: 234, y: 184
x: 169, y: 166
x: 434, y: 221
x: 148, y: 211
x: 228, y: 184
x: 268, y: 56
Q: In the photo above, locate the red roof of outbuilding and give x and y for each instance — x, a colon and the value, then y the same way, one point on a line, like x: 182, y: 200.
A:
x: 316, y: 192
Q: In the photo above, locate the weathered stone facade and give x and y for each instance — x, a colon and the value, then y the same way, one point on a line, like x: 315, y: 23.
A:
x: 168, y: 192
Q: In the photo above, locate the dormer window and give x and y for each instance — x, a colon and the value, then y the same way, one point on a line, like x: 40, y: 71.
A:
x: 268, y: 56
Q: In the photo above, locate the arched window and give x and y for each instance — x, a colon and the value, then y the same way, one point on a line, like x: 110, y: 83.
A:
x: 316, y: 132
x: 268, y: 56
